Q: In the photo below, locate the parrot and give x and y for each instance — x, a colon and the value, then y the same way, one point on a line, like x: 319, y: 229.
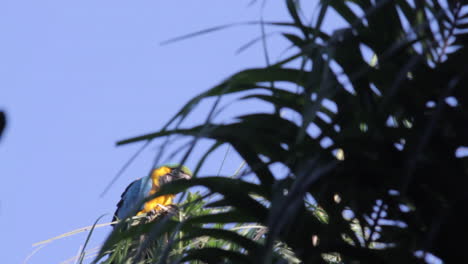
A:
x: 142, y: 188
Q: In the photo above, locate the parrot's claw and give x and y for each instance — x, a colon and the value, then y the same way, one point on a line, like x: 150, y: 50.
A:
x: 172, y: 209
x: 163, y: 210
x: 151, y: 215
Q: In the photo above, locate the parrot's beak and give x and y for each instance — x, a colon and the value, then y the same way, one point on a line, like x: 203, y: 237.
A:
x: 178, y: 174
x: 182, y: 175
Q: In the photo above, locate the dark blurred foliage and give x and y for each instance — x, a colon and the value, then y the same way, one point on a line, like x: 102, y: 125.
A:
x: 2, y: 122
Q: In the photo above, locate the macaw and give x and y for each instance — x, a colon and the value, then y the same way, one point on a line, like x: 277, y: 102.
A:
x: 142, y: 188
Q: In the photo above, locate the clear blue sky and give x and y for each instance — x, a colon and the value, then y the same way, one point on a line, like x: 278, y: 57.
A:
x: 75, y: 77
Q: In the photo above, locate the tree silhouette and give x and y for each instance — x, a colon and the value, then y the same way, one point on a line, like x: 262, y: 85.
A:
x: 381, y: 183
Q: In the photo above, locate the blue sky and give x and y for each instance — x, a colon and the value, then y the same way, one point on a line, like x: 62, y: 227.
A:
x: 75, y: 77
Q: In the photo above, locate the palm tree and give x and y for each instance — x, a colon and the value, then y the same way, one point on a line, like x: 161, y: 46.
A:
x: 384, y: 181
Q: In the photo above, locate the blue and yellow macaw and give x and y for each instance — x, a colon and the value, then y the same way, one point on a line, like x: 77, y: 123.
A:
x: 142, y: 188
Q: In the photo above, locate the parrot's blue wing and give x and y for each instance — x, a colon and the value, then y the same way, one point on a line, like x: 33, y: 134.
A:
x: 134, y: 195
